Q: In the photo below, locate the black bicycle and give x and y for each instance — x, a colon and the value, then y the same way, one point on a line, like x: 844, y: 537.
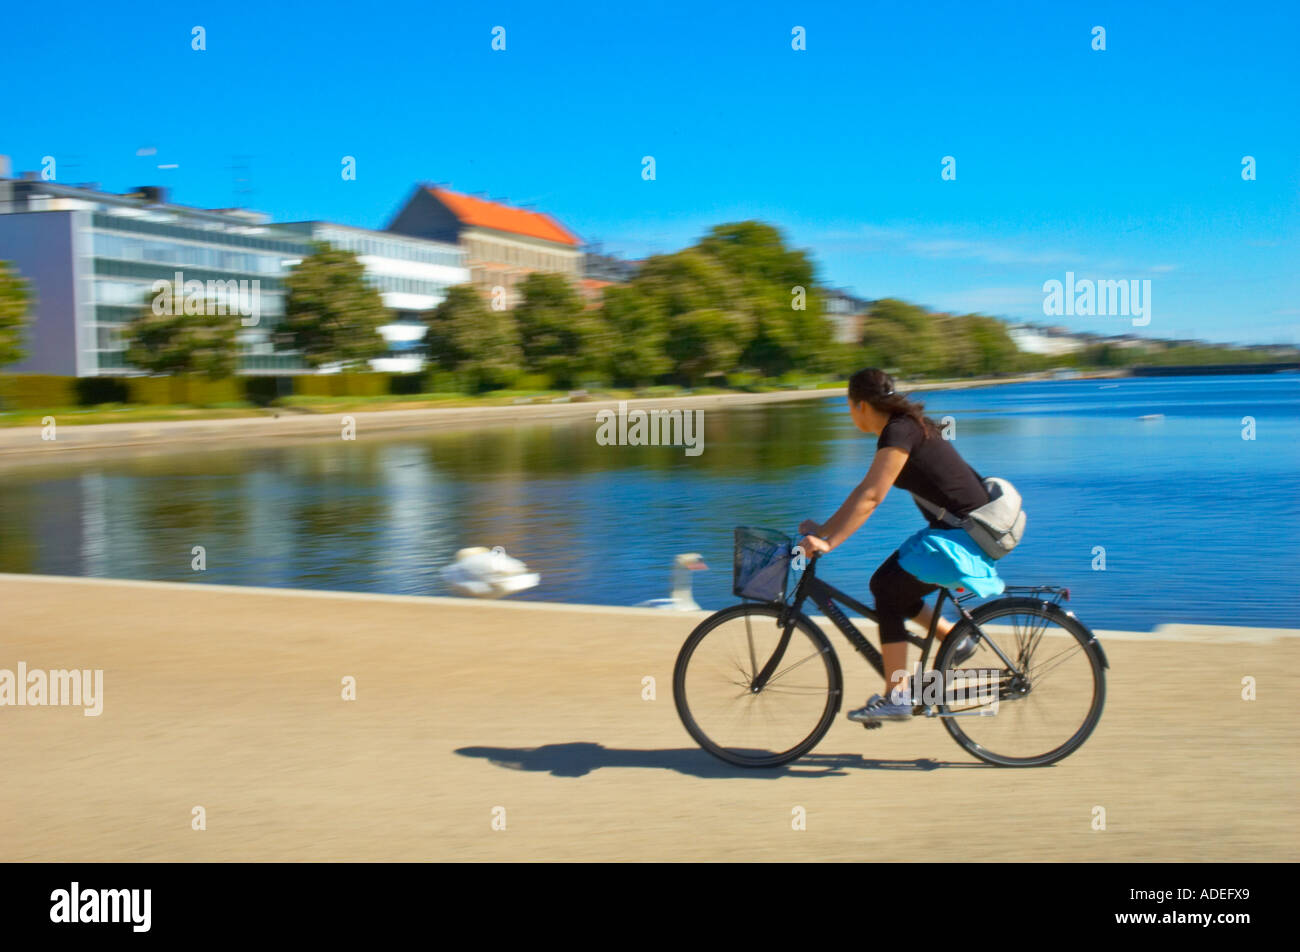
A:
x: 759, y: 685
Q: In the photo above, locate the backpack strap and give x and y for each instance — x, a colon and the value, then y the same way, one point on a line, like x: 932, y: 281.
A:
x: 943, y: 515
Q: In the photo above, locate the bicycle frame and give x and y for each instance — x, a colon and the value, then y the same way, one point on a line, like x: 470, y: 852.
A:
x: 826, y: 597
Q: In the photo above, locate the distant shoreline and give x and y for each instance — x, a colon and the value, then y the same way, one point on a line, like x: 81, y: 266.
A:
x: 23, y: 445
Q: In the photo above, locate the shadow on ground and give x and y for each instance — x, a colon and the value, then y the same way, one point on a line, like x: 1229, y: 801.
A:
x: 579, y: 759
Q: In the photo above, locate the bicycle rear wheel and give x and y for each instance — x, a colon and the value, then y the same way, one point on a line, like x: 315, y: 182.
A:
x: 1040, y: 709
x: 712, y: 687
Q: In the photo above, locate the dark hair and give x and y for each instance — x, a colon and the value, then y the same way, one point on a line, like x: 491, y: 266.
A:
x: 877, y: 388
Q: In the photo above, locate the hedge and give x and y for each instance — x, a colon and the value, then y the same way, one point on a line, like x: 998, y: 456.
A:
x: 38, y: 391
x: 171, y: 391
x: 342, y: 385
x: 533, y: 382
x: 47, y: 391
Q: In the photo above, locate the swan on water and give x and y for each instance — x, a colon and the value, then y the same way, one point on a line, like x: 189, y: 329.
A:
x: 681, y: 599
x: 487, y: 573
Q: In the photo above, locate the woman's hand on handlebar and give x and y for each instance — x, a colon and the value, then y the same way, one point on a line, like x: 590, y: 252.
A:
x: 808, y: 527
x: 814, y: 545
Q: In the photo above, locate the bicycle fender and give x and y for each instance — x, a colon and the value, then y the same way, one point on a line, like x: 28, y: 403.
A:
x: 1092, y: 638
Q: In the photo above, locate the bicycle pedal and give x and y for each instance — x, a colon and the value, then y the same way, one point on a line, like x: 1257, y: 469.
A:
x: 871, y: 724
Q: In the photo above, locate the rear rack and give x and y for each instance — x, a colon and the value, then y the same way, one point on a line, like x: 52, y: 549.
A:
x: 1058, y: 592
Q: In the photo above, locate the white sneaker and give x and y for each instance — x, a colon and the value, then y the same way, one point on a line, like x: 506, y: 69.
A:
x: 897, y: 707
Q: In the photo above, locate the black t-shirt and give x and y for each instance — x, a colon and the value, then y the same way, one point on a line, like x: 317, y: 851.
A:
x: 934, y: 470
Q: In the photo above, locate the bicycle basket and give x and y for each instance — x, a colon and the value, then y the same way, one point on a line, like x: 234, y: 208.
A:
x: 762, y: 564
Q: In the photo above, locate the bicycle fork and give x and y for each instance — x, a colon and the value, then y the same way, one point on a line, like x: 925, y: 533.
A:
x: 787, y: 621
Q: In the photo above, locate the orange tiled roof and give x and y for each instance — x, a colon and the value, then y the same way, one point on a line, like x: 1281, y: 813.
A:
x: 484, y: 214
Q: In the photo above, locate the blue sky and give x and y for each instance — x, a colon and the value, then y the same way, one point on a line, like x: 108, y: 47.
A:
x: 1119, y: 164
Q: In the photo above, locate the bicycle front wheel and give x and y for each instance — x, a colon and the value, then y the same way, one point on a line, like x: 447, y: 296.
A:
x: 713, y: 678
x: 1039, y: 708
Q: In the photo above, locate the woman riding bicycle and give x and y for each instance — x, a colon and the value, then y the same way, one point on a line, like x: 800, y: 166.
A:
x: 912, y: 454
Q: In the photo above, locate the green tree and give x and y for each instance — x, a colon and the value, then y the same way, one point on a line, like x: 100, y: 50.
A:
x: 15, y: 304
x: 704, y: 341
x: 331, y: 314
x: 637, y: 334
x: 957, y: 354
x: 774, y: 279
x: 902, y: 337
x: 810, y: 344
x: 468, y: 338
x: 688, y: 280
x: 914, y: 341
x: 558, y: 335
x: 753, y: 249
x: 180, y: 343
x: 995, y: 351
x: 703, y: 306
x: 750, y: 283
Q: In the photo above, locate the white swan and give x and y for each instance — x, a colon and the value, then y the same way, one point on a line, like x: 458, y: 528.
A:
x: 487, y: 573
x: 681, y: 599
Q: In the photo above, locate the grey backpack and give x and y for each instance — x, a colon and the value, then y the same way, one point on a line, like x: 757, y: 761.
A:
x: 995, y: 526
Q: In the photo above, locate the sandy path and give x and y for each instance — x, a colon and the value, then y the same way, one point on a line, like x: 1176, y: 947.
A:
x: 230, y: 699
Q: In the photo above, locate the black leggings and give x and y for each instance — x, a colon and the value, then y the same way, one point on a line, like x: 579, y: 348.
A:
x: 899, y: 596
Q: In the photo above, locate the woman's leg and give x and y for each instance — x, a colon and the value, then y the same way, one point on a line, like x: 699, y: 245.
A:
x: 899, y: 596
x: 895, y: 653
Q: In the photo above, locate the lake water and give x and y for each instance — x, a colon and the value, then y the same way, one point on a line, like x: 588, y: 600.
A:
x: 1197, y: 524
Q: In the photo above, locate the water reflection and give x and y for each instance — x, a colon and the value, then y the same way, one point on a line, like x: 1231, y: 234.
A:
x: 603, y: 523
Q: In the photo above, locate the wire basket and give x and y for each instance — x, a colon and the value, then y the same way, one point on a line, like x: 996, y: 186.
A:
x: 761, y: 569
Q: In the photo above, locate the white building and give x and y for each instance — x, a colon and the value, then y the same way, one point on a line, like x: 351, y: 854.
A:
x: 1044, y: 340
x: 846, y: 312
x: 411, y: 274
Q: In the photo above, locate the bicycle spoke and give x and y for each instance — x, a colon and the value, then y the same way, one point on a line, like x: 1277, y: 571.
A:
x: 747, y: 675
x: 1036, y: 675
x: 788, y: 689
x: 792, y: 667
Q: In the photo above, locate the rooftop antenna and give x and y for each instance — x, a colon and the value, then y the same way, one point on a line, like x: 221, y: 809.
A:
x: 65, y: 166
x: 242, y: 175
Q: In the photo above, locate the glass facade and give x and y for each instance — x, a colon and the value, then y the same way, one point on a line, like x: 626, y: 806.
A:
x: 388, y: 283
x: 128, y: 255
x: 185, y: 254
x: 399, y: 249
